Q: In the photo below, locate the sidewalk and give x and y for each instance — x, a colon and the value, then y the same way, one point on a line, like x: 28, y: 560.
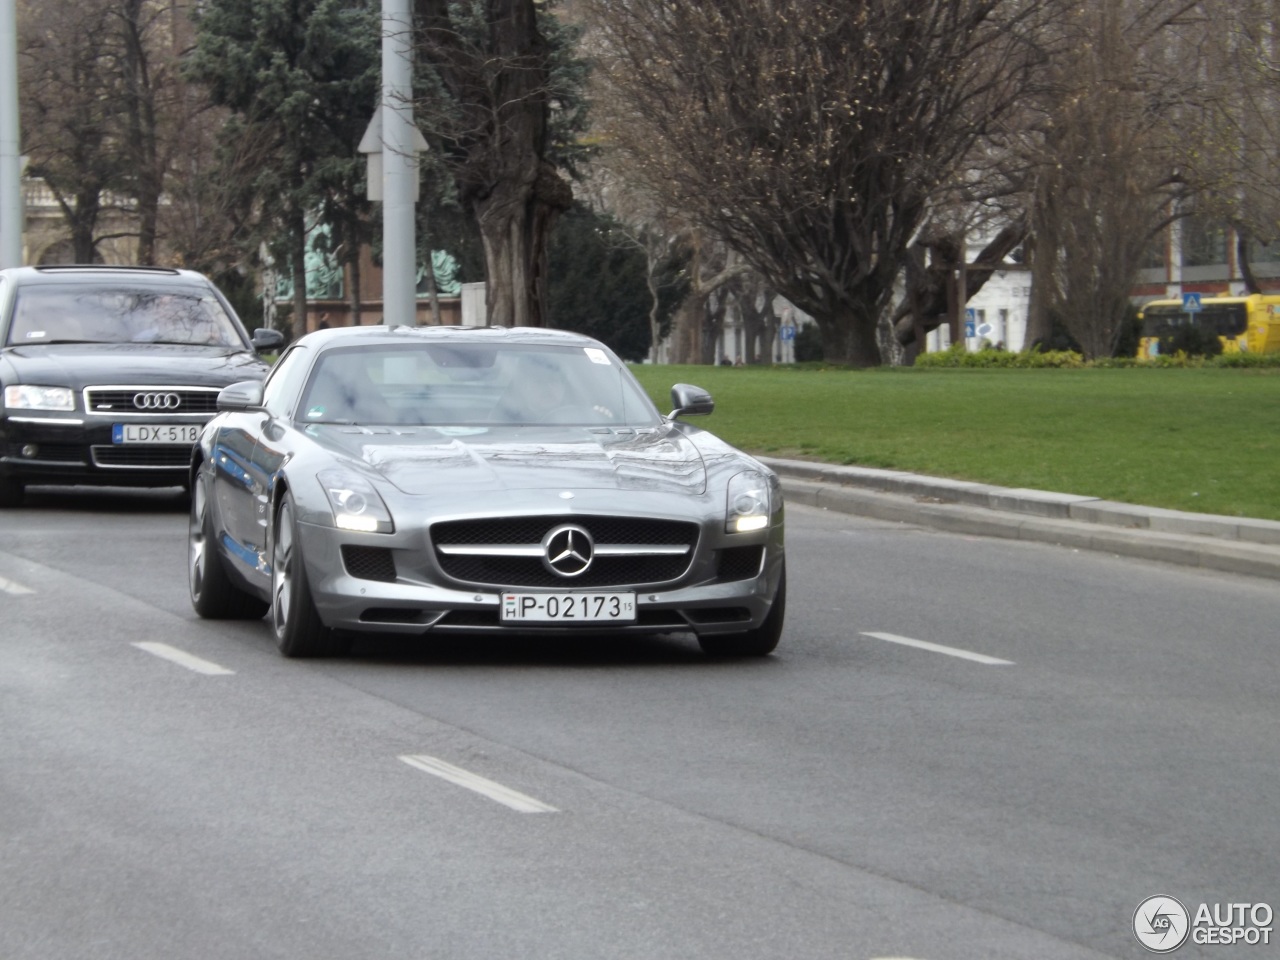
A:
x: 1231, y: 544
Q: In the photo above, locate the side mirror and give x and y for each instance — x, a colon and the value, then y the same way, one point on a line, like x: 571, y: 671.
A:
x: 245, y: 395
x: 265, y: 339
x: 688, y: 400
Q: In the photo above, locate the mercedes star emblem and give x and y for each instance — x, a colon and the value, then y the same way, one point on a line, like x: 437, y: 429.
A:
x: 567, y: 550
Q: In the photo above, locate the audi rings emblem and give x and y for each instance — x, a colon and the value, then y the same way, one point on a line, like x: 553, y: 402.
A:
x: 157, y: 401
x: 568, y: 550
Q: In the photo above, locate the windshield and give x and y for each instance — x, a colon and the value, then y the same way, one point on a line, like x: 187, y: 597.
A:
x: 115, y: 314
x: 474, y: 384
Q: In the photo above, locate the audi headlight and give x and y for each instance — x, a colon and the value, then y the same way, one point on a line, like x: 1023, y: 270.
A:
x: 355, y: 503
x: 748, y: 506
x: 27, y: 396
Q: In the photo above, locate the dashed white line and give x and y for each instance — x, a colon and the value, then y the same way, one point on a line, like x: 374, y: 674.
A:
x: 184, y: 659
x: 939, y: 648
x: 13, y: 588
x: 472, y: 781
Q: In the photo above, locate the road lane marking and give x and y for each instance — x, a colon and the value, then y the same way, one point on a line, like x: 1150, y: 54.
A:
x: 939, y: 648
x: 14, y: 588
x: 184, y: 659
x: 472, y: 781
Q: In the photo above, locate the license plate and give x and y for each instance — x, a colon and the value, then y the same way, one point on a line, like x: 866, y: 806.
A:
x: 569, y: 607
x: 155, y: 433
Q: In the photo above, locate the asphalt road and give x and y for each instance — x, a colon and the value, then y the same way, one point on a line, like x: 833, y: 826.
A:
x: 1086, y: 732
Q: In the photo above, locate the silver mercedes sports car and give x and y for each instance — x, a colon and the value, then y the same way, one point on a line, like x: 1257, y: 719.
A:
x: 431, y: 480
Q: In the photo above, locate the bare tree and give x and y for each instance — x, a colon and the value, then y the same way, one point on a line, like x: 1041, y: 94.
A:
x: 1108, y: 180
x: 106, y: 111
x: 812, y: 136
x: 753, y: 297
x: 493, y: 113
x: 70, y: 110
x: 1237, y: 123
x: 699, y: 318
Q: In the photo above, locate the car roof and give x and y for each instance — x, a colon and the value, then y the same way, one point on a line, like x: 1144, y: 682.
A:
x: 383, y: 335
x: 98, y: 273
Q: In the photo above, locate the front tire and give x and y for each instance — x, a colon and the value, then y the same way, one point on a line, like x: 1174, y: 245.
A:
x: 761, y: 641
x: 297, y: 626
x: 213, y: 595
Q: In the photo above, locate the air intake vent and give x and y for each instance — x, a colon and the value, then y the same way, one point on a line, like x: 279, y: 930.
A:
x: 369, y: 563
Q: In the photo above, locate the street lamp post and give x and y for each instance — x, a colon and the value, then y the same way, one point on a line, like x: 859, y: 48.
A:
x: 10, y: 161
x: 399, y: 167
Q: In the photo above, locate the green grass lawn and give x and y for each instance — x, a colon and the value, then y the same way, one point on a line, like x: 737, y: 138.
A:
x: 1188, y: 439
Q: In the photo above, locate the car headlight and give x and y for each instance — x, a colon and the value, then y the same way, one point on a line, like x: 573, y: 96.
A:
x: 26, y: 396
x: 355, y: 503
x: 748, y: 504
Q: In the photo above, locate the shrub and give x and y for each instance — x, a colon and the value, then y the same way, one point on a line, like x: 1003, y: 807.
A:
x: 808, y: 343
x: 957, y: 356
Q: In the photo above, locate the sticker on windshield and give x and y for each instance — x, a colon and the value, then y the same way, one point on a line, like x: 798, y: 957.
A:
x: 315, y: 413
x: 460, y: 431
x: 597, y: 355
x: 36, y: 334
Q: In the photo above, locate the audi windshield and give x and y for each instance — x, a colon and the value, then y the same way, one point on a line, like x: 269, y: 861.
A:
x: 81, y: 313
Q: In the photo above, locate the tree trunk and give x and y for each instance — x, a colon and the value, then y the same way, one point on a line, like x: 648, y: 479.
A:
x: 433, y: 292
x: 298, y: 266
x: 353, y: 288
x: 1251, y: 284
x: 686, y: 333
x: 849, y: 337
x: 712, y: 328
x: 1039, y: 325
x: 140, y: 111
x: 925, y: 307
x: 655, y: 325
x: 82, y: 217
x: 515, y: 227
x: 502, y: 223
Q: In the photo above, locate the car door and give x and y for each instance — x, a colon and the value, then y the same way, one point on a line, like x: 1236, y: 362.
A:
x: 280, y: 396
x: 236, y: 486
x: 242, y: 482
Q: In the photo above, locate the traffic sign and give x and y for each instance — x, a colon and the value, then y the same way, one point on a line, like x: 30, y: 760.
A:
x: 1191, y: 303
x: 787, y: 333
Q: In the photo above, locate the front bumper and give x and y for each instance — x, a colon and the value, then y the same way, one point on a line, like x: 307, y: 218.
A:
x: 703, y: 602
x: 78, y: 449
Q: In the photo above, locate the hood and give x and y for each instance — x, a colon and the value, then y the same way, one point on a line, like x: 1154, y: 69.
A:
x: 428, y: 460
x: 80, y: 365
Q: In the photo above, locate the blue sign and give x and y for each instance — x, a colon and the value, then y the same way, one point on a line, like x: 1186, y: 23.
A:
x: 971, y: 315
x: 787, y: 333
x: 970, y: 328
x: 1191, y: 302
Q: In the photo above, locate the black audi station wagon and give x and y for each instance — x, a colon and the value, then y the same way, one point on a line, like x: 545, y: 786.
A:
x: 108, y: 373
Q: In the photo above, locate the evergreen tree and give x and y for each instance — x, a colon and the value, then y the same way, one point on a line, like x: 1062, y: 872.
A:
x: 301, y: 78
x: 500, y: 99
x: 598, y: 283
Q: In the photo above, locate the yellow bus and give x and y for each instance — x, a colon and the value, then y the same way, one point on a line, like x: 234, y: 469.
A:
x: 1248, y: 324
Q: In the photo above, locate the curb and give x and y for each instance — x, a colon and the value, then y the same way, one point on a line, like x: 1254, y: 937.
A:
x: 1227, y: 544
